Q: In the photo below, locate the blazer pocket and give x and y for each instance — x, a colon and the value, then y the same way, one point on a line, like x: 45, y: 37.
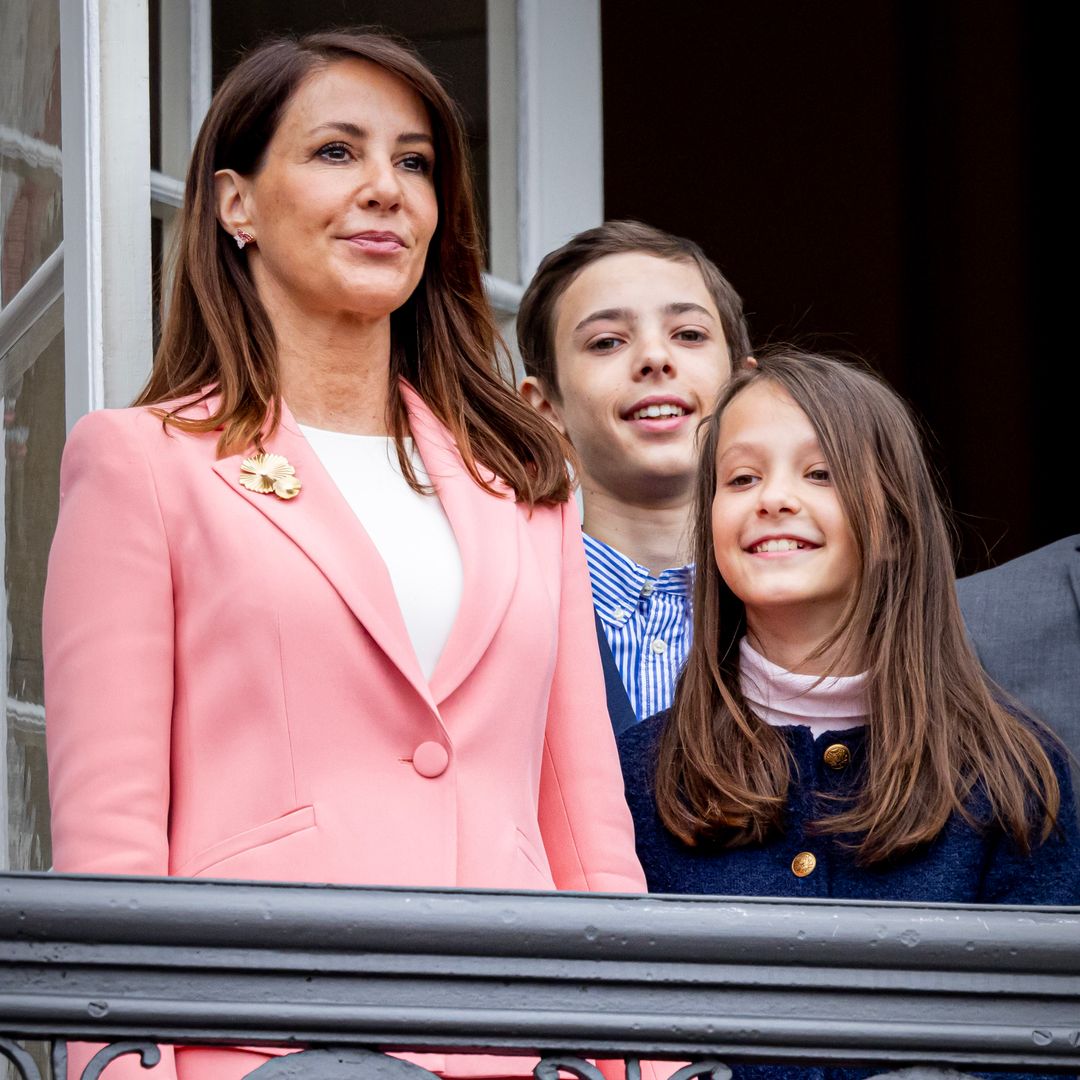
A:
x: 267, y: 833
x: 536, y: 859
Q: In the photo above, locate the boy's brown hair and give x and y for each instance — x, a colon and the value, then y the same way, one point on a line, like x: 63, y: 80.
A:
x: 536, y: 315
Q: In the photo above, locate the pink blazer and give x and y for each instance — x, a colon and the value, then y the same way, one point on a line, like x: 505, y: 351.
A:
x: 231, y: 691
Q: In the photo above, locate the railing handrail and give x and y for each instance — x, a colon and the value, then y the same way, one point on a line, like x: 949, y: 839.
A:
x: 602, y: 975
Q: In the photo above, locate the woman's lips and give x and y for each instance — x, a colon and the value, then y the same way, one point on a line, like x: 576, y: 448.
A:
x: 378, y: 243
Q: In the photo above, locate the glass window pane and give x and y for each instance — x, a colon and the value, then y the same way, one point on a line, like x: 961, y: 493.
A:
x: 34, y: 431
x: 30, y: 191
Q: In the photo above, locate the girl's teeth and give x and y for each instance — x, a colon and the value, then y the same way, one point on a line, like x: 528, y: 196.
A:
x: 779, y: 545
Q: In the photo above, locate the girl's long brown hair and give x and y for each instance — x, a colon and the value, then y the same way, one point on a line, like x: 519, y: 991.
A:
x: 217, y: 336
x: 936, y: 728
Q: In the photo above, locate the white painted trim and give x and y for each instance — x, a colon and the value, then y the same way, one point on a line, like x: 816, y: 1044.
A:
x: 36, y: 153
x: 80, y: 93
x: 46, y: 284
x: 105, y: 92
x: 504, y: 296
x: 166, y: 190
x: 202, y: 65
x: 503, y: 214
x: 560, y: 124
x: 26, y: 715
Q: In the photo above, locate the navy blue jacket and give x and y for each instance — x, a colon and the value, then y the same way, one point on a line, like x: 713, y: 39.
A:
x: 963, y: 864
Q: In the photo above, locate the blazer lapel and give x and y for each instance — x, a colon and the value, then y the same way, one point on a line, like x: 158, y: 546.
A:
x: 485, y: 527
x: 323, y: 526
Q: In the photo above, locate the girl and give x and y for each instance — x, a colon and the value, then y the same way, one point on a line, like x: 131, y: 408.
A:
x: 833, y: 734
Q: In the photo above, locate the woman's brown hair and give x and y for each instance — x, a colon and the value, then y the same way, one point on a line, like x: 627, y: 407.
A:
x: 217, y: 336
x: 937, y: 727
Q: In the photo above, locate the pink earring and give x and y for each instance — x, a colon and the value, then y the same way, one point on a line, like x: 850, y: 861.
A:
x: 243, y: 238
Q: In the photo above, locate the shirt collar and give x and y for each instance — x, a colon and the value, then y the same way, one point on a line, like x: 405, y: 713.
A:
x: 619, y: 583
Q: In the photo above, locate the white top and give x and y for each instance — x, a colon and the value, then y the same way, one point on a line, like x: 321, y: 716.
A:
x: 781, y: 697
x: 409, y: 530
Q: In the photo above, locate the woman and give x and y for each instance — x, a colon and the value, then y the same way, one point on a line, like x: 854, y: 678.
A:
x: 317, y: 607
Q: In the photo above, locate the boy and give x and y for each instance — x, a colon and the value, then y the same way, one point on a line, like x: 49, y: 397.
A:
x: 628, y: 334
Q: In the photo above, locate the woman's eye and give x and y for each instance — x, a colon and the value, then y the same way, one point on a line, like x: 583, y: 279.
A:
x: 334, y: 152
x: 820, y: 476
x: 417, y: 163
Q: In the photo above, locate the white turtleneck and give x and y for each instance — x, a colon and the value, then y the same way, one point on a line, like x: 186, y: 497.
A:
x: 781, y: 697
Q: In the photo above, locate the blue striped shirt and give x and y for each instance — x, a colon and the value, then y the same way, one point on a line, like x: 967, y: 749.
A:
x: 646, y: 621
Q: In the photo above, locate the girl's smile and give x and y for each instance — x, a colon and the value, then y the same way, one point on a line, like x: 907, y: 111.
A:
x: 781, y: 538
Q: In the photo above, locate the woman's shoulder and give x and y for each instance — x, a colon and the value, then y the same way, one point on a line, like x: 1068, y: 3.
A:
x: 133, y: 423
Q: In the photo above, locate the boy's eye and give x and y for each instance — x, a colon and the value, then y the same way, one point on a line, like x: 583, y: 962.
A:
x: 336, y: 151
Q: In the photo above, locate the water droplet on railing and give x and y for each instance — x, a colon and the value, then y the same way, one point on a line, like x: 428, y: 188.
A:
x: 910, y: 938
x: 591, y: 933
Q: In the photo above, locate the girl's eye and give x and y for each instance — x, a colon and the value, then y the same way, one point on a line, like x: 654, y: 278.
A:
x: 416, y: 163
x: 742, y: 480
x: 695, y: 336
x: 336, y: 151
x: 820, y: 476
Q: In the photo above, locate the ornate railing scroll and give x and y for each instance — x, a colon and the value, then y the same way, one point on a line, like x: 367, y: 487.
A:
x: 344, y: 972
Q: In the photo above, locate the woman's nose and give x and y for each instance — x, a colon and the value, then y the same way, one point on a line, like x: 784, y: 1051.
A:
x: 381, y: 187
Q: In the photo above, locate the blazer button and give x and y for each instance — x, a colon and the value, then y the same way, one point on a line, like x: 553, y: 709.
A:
x: 837, y: 756
x: 803, y: 864
x: 430, y: 759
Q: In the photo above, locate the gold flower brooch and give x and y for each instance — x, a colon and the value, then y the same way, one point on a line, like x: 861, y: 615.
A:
x: 270, y: 474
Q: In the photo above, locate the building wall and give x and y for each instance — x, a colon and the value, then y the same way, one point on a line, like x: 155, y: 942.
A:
x: 882, y: 178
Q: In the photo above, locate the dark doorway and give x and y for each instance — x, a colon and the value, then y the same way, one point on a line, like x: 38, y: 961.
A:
x: 881, y: 178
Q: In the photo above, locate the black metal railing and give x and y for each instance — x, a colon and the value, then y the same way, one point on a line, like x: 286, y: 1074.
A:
x: 350, y: 972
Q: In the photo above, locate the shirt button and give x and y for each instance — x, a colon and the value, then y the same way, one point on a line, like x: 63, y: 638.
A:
x: 659, y: 645
x: 430, y: 759
x: 837, y: 756
x: 803, y: 864
x: 618, y: 614
x: 647, y: 588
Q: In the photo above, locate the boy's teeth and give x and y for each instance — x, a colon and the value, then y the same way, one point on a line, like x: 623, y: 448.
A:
x: 654, y: 412
x: 779, y: 545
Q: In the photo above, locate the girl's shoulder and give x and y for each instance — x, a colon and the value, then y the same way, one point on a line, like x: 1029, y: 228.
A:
x: 638, y: 744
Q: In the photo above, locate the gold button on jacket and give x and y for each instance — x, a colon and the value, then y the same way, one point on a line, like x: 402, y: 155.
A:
x: 837, y: 756
x: 803, y: 864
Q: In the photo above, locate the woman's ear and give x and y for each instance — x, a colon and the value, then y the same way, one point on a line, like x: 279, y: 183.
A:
x: 232, y: 193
